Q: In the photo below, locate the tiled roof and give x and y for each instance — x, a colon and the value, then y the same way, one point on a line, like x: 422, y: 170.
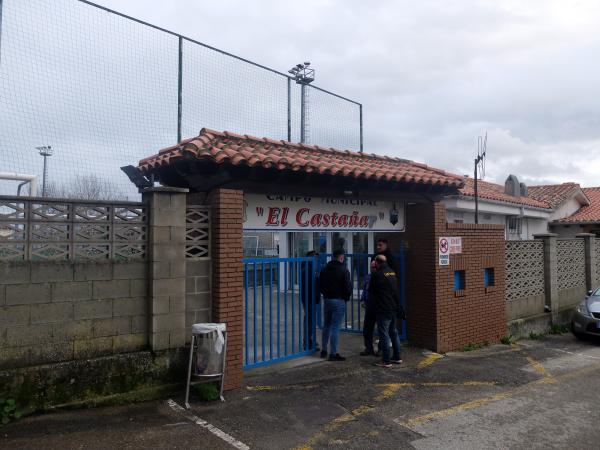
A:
x: 554, y: 194
x: 230, y: 148
x: 492, y: 191
x: 588, y: 213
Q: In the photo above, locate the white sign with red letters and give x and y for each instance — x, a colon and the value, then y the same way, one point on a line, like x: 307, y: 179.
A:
x: 302, y: 213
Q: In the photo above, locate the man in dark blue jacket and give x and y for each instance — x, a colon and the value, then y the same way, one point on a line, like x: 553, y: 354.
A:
x: 336, y: 288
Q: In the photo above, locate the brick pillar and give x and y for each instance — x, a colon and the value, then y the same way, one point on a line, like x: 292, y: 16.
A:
x: 550, y: 273
x: 589, y: 240
x: 227, y: 275
x: 166, y: 293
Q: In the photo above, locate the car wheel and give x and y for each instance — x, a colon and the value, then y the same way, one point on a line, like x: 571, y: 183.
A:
x: 578, y: 335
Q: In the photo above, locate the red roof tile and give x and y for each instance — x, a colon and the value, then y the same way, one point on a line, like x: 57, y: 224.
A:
x: 588, y: 213
x: 553, y: 194
x: 230, y: 148
x: 492, y: 191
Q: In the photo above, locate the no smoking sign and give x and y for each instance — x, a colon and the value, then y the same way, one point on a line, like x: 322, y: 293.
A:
x: 444, y: 251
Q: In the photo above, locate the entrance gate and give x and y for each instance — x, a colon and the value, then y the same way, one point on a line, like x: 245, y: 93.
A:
x: 280, y: 311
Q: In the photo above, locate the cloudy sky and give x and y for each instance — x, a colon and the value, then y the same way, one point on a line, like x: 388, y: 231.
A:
x: 432, y: 76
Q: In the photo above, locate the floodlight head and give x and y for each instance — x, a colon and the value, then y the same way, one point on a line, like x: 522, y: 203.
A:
x: 45, y: 150
x: 292, y: 71
x: 299, y: 66
x: 307, y: 63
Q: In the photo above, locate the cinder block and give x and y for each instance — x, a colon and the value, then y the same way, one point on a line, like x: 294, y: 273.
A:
x: 177, y: 303
x: 190, y: 285
x: 160, y: 304
x: 13, y: 357
x: 202, y: 284
x: 177, y: 338
x: 52, y: 312
x: 2, y: 295
x: 178, y: 202
x: 51, y: 353
x: 159, y: 341
x: 138, y: 288
x: 197, y: 268
x: 130, y: 306
x: 92, y: 271
x: 23, y: 294
x: 29, y: 335
x: 93, y: 348
x: 76, y: 329
x: 168, y: 286
x: 130, y: 270
x: 167, y: 251
x: 177, y: 268
x: 139, y: 324
x: 94, y: 309
x: 44, y: 272
x: 197, y: 301
x: 15, y: 272
x: 203, y: 316
x: 77, y: 290
x: 168, y: 322
x: 167, y: 218
x: 111, y: 289
x: 111, y: 327
x: 160, y: 269
x: 130, y: 342
x: 14, y: 315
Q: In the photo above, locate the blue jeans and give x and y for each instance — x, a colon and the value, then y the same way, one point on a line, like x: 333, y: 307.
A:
x: 386, y: 327
x: 335, y: 309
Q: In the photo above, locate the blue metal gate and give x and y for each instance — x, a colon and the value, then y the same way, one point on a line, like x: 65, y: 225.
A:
x: 279, y: 309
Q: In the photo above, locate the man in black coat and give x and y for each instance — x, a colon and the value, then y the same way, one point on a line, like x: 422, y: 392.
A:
x: 383, y: 292
x: 336, y: 288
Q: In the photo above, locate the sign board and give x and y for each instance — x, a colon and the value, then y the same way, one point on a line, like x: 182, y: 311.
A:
x: 444, y: 251
x: 455, y: 244
x: 301, y: 213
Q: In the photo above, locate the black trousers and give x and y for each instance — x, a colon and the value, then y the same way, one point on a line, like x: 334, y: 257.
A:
x: 369, y: 328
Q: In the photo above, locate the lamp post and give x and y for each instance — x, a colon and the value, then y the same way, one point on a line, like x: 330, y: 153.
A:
x: 303, y: 75
x: 45, y: 151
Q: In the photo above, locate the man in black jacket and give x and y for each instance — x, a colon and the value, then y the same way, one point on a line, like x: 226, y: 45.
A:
x: 336, y: 288
x: 383, y: 292
x: 382, y: 248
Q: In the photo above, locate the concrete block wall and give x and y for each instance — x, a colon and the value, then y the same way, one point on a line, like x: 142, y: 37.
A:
x: 197, y: 293
x: 62, y: 310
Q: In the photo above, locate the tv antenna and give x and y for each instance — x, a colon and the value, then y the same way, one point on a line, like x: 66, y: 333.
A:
x: 479, y: 163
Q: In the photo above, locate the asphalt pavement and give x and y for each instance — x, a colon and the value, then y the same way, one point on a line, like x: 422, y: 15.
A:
x: 542, y: 393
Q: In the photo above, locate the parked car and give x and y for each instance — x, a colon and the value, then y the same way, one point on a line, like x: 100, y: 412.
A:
x: 586, y: 319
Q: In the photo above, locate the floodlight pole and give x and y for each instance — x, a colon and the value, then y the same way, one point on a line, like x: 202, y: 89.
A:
x: 303, y: 75
x: 45, y: 151
x: 476, y: 196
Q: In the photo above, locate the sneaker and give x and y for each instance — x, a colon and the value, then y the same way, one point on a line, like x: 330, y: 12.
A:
x: 367, y: 353
x: 323, y: 354
x: 336, y: 357
x: 396, y: 361
x: 383, y: 364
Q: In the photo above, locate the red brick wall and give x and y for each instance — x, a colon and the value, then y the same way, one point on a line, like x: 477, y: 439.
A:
x: 227, y: 275
x: 439, y: 318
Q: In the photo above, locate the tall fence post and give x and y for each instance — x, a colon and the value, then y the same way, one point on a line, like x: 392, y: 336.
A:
x: 289, y: 109
x: 166, y: 293
x: 179, y: 89
x: 302, y: 113
x: 589, y: 240
x: 550, y: 272
x: 361, y: 127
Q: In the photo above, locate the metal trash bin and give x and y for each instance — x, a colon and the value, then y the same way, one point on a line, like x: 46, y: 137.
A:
x: 208, y: 352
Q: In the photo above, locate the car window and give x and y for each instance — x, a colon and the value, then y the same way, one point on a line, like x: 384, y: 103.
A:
x: 596, y: 293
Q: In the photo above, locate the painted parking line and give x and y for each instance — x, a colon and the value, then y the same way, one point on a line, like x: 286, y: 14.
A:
x: 411, y: 423
x: 539, y: 368
x: 207, y: 426
x: 292, y: 387
x: 429, y: 360
x: 389, y: 389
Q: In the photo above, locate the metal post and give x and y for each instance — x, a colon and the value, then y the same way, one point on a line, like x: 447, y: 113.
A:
x: 289, y: 110
x: 1, y: 8
x: 302, y: 111
x: 179, y: 88
x: 361, y: 127
x: 476, y: 197
x: 44, y: 176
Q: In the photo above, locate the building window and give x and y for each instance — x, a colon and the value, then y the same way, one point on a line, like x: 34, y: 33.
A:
x: 514, y: 225
x: 458, y: 221
x: 459, y: 280
x: 261, y: 244
x: 488, y: 277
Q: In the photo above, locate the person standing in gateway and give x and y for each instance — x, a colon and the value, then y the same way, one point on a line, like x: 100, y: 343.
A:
x: 336, y: 288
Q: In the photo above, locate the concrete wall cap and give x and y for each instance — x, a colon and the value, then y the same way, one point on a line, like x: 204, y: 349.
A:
x: 166, y: 189
x: 544, y: 235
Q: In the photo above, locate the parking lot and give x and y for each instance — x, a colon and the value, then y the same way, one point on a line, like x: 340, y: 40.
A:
x: 540, y: 393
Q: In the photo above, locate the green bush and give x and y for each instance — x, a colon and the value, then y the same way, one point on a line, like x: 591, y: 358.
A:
x: 559, y: 329
x: 9, y: 411
x: 506, y: 340
x: 207, y: 392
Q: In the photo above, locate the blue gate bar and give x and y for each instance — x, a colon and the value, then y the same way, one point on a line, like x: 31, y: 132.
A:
x: 254, y: 312
x: 246, y: 309
x: 262, y: 309
x: 271, y: 309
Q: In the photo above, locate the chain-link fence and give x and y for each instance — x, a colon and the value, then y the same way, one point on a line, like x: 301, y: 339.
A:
x: 105, y: 90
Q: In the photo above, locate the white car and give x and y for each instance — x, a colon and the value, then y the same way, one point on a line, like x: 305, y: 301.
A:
x: 586, y: 318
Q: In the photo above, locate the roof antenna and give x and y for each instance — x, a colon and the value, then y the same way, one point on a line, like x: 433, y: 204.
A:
x: 479, y: 163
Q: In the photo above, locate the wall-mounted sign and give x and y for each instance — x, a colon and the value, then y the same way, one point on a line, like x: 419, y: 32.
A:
x: 444, y: 251
x: 455, y: 245
x: 300, y: 213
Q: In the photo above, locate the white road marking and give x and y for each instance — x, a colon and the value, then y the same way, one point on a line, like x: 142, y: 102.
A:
x: 576, y: 354
x: 204, y: 424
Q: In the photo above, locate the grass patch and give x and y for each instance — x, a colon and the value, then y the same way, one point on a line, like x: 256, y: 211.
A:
x: 9, y: 411
x: 506, y: 340
x: 559, y: 329
x: 474, y: 346
x: 534, y: 335
x: 208, y: 392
